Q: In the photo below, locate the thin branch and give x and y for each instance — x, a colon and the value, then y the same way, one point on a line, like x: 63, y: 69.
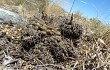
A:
x: 71, y: 7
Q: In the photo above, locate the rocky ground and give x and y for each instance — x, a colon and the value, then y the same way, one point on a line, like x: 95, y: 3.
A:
x: 51, y: 43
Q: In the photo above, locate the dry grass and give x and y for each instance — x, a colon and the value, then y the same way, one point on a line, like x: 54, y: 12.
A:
x: 55, y: 9
x: 93, y: 54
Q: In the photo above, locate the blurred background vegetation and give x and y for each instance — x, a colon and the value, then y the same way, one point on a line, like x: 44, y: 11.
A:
x: 34, y: 5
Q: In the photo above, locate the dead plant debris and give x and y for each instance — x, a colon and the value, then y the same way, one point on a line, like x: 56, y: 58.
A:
x: 52, y: 44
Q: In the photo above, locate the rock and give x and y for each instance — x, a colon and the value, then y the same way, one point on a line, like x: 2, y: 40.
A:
x: 8, y: 16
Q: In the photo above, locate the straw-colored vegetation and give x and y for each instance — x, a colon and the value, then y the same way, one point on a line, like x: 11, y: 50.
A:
x: 93, y: 54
